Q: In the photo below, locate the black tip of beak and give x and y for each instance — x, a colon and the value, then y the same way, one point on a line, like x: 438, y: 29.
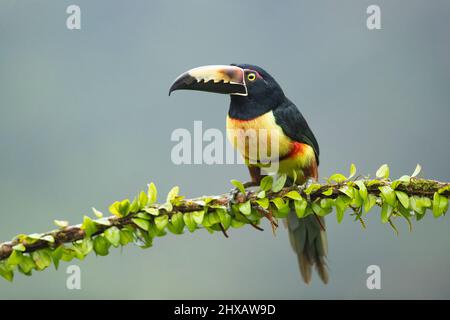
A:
x: 182, y: 82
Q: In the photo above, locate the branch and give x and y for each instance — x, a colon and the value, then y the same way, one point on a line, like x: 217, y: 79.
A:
x: 141, y: 220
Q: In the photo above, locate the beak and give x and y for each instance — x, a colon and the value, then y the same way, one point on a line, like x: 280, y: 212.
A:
x: 217, y: 79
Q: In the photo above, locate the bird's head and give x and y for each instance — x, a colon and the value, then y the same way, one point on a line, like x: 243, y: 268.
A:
x: 253, y: 91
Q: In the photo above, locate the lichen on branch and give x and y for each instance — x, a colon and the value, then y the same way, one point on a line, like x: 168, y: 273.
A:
x: 142, y: 220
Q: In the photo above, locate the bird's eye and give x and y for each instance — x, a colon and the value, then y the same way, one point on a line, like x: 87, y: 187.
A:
x: 251, y: 76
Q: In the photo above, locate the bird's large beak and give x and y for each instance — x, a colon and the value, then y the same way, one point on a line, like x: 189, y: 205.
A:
x: 217, y: 78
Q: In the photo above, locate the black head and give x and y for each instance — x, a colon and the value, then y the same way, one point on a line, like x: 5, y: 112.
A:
x: 264, y: 94
x: 252, y: 90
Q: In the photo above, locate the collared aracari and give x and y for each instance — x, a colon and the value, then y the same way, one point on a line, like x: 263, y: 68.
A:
x: 259, y: 103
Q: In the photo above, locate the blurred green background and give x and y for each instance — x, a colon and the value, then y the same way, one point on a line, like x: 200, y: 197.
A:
x: 85, y: 120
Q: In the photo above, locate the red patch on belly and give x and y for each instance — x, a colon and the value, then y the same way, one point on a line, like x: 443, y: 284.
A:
x: 296, y: 148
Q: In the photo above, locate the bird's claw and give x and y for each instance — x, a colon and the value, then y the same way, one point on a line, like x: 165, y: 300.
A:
x: 306, y: 185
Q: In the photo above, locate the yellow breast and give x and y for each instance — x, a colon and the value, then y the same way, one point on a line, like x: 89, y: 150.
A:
x: 258, y: 139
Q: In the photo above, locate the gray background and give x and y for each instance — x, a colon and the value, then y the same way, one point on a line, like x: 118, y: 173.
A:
x: 85, y: 120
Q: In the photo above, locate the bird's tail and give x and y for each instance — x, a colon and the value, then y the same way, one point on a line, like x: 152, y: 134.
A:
x: 309, y: 241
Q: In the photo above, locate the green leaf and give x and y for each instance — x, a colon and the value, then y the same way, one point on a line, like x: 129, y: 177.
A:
x: 35, y: 236
x: 176, y: 223
x: 348, y: 191
x: 352, y: 171
x: 237, y: 224
x: 19, y: 247
x: 113, y: 235
x: 357, y: 201
x: 67, y: 254
x: 388, y: 194
x: 103, y: 221
x: 198, y: 216
x: 125, y: 207
x: 166, y: 206
x: 418, y: 205
x: 405, y: 213
x: 173, y: 193
x: 126, y: 236
x: 405, y: 178
x: 383, y: 172
x: 261, y: 194
x: 145, y: 238
x: 225, y: 218
x: 294, y: 175
x: 189, y: 221
x: 443, y: 189
x: 440, y: 205
x: 161, y: 222
x: 341, y: 206
x: 152, y: 211
x: 266, y: 183
x: 386, y: 211
x: 313, y: 187
x: 416, y: 171
x: 143, y: 215
x: 6, y: 273
x: 317, y: 209
x: 142, y: 223
x: 337, y: 177
x: 213, y: 218
x: 115, y: 209
x: 97, y: 213
x: 264, y: 203
x: 326, y: 203
x: 245, y: 207
x: 279, y: 183
x: 88, y: 226
x: 300, y: 207
x: 42, y: 258
x: 152, y: 193
x: 393, y: 226
x: 362, y: 190
x: 48, y: 238
x: 284, y: 210
x: 403, y: 198
x: 278, y: 202
x: 26, y: 265
x: 61, y: 223
x: 57, y: 255
x: 370, y: 202
x: 238, y: 185
x: 101, y: 245
x: 134, y: 206
x: 83, y: 247
x: 14, y: 258
x: 328, y: 192
x: 142, y: 199
x: 294, y: 195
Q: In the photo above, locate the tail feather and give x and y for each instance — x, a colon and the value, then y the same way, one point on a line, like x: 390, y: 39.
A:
x: 309, y: 242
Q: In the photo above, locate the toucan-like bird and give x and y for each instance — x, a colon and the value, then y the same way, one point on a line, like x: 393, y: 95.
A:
x: 258, y: 103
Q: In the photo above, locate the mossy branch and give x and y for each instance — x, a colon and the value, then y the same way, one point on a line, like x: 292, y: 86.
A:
x: 141, y: 220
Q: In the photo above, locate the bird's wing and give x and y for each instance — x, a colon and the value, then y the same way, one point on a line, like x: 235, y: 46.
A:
x: 294, y: 125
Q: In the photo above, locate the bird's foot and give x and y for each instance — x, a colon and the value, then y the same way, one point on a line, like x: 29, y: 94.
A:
x: 306, y: 185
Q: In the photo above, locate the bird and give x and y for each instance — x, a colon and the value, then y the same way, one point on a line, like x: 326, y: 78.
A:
x: 257, y: 102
